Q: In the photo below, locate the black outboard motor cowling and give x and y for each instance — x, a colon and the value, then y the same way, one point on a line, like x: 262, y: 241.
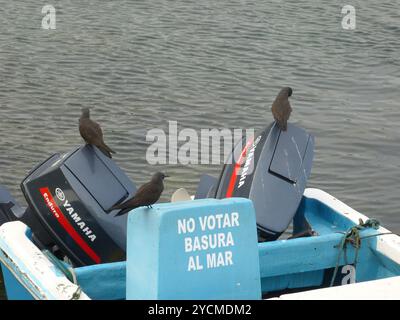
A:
x: 271, y: 169
x: 68, y: 198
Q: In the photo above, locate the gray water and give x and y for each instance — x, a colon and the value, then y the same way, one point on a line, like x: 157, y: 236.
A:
x: 207, y: 64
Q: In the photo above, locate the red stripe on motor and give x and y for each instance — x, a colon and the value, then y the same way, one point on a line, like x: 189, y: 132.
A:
x: 236, y: 169
x: 55, y: 210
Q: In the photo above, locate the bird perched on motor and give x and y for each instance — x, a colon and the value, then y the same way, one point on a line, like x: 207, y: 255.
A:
x: 92, y: 134
x: 146, y: 195
x: 281, y: 108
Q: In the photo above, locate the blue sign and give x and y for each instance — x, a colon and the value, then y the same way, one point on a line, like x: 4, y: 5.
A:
x: 200, y: 249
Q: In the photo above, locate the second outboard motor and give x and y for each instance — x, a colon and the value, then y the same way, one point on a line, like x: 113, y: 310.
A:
x: 68, y: 200
x: 271, y: 169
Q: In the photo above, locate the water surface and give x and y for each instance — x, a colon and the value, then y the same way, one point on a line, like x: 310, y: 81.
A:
x: 207, y: 64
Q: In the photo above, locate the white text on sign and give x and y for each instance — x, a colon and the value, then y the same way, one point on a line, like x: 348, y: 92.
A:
x: 209, y: 241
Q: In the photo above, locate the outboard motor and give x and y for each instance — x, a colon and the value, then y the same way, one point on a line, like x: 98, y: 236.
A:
x: 68, y: 198
x: 271, y: 169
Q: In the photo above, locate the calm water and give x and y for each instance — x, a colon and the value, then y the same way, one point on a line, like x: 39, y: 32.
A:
x: 207, y: 64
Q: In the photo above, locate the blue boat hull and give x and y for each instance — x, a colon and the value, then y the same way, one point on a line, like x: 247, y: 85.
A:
x: 285, y: 265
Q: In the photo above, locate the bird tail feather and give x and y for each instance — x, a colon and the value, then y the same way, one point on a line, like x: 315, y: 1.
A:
x: 126, y: 210
x: 120, y: 206
x: 282, y: 125
x: 106, y: 150
x: 116, y: 207
x: 109, y: 149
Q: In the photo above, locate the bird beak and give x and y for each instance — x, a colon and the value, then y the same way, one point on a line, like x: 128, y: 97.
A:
x: 165, y: 176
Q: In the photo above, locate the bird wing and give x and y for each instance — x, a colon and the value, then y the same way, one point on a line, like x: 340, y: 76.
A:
x: 91, y: 131
x: 276, y: 110
x: 287, y: 109
x: 148, y: 193
x: 281, y: 108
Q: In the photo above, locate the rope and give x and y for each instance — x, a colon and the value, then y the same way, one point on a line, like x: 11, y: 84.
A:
x: 352, y: 235
x: 76, y: 295
x: 68, y: 271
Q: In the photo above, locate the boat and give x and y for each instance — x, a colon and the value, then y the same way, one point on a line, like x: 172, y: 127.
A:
x: 301, y: 265
x: 225, y: 242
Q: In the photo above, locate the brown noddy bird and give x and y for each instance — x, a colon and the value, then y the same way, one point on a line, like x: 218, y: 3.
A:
x: 91, y: 132
x: 146, y: 195
x: 281, y: 108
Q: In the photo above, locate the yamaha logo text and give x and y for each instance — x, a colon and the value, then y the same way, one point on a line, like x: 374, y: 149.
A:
x: 75, y: 215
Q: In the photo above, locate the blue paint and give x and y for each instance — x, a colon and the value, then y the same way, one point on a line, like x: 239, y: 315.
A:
x: 103, y: 281
x: 14, y: 289
x: 157, y: 262
x: 158, y: 267
x: 301, y: 262
x: 18, y: 267
x: 292, y: 281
